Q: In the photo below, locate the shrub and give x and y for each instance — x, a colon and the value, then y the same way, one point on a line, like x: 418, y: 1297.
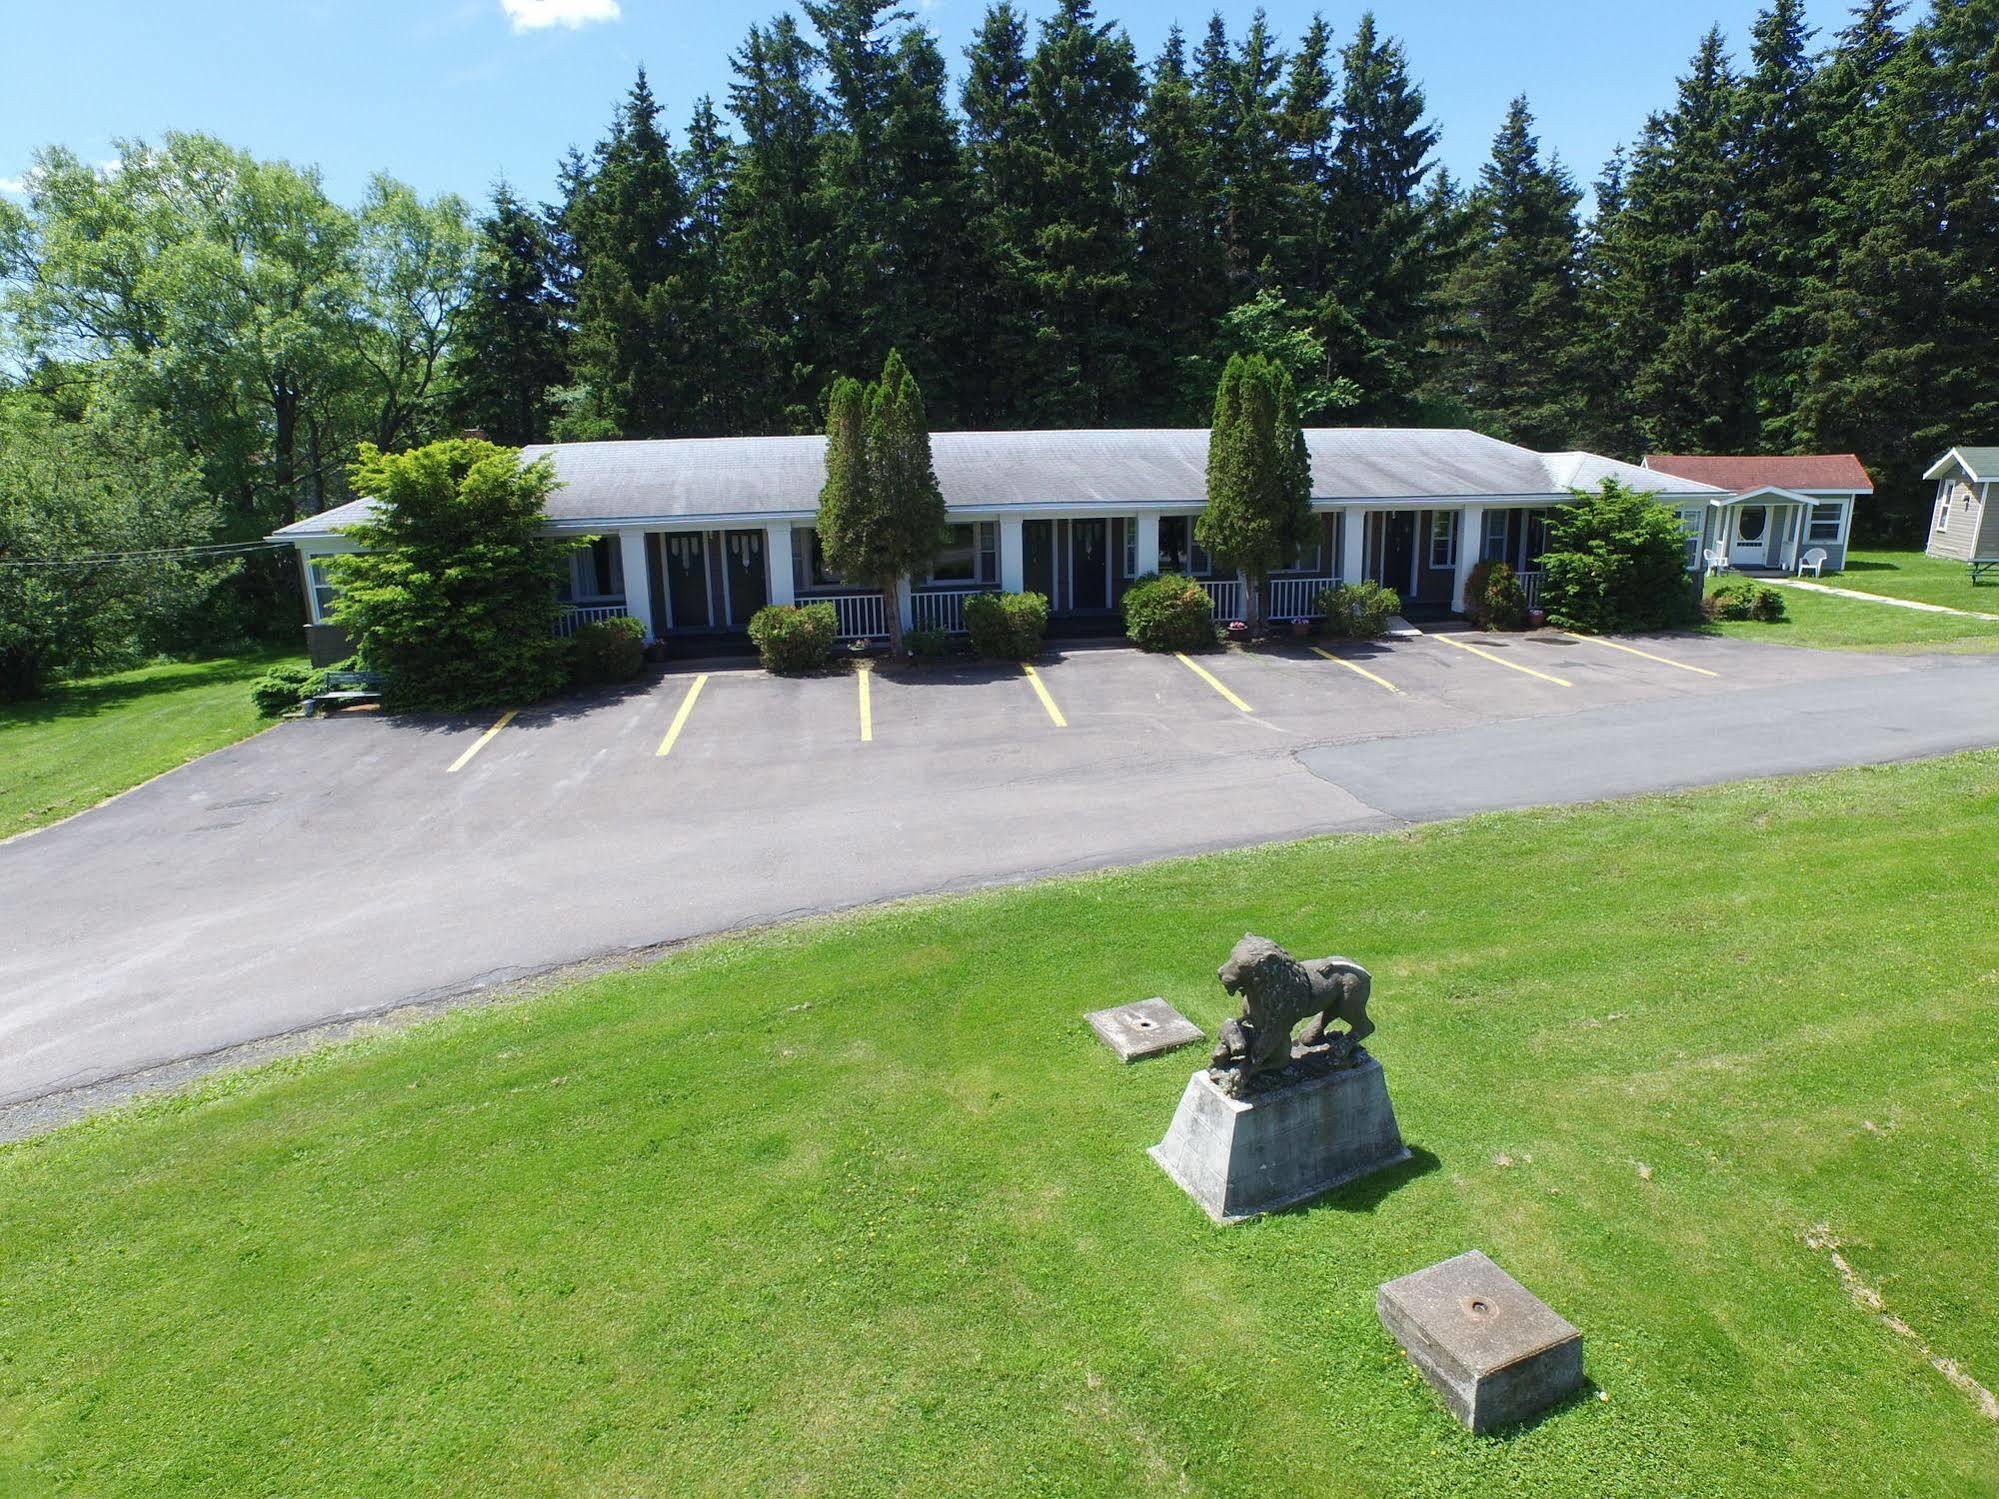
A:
x: 1502, y: 601
x: 927, y: 643
x: 1168, y: 612
x: 1740, y: 598
x: 282, y: 689
x: 607, y: 650
x: 1007, y: 626
x: 794, y: 638
x: 1359, y: 611
x: 1616, y: 560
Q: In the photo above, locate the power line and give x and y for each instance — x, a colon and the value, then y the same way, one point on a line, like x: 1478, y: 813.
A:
x: 209, y: 552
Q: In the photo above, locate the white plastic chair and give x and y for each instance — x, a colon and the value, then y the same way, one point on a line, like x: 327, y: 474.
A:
x: 1716, y: 563
x: 1814, y: 560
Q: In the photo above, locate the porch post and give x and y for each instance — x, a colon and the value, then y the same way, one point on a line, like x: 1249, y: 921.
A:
x: 1013, y: 556
x: 1353, y: 544
x: 638, y: 581
x: 777, y: 557
x: 1471, y: 541
x: 1148, y: 543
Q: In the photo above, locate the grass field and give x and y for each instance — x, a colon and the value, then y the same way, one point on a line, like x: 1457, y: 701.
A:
x: 860, y: 1207
x: 1912, y: 575
x: 1828, y: 622
x: 91, y: 739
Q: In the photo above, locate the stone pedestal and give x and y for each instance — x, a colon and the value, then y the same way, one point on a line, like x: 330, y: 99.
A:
x: 1494, y: 1351
x: 1238, y: 1157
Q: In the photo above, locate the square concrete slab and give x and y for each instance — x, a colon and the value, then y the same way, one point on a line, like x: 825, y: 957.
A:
x: 1144, y: 1029
x: 1495, y: 1351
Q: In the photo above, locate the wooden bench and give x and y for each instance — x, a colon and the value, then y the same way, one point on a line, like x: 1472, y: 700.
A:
x: 343, y: 690
x: 1980, y: 566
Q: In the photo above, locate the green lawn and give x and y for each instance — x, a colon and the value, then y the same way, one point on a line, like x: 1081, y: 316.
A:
x: 1828, y: 622
x: 859, y: 1206
x: 91, y: 739
x: 1911, y: 575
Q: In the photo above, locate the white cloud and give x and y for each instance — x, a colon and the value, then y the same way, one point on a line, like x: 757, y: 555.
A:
x: 535, y: 15
x: 14, y: 187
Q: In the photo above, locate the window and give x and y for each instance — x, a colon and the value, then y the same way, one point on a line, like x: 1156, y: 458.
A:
x: 1825, y: 521
x: 1174, y: 531
x: 1692, y: 518
x: 1495, y: 535
x: 323, y: 590
x: 1943, y: 506
x: 597, y: 572
x: 1443, y: 538
x: 970, y: 554
x: 817, y: 573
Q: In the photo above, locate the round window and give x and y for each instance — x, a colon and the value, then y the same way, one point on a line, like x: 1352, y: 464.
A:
x: 1750, y: 522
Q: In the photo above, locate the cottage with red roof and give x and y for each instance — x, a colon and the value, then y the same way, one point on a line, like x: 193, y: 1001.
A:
x: 1781, y: 514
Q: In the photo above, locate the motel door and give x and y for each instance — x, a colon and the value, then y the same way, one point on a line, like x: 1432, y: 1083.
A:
x: 749, y: 580
x: 1398, y: 551
x: 1037, y: 558
x: 687, y: 579
x: 1090, y: 565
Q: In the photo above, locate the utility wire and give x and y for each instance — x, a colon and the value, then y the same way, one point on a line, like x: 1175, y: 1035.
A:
x: 210, y: 552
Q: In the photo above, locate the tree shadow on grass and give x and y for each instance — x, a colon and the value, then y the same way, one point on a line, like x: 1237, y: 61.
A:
x: 1855, y: 565
x: 92, y: 696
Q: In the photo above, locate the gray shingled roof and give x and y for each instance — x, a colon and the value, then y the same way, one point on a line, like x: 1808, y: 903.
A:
x: 1981, y: 463
x: 759, y: 478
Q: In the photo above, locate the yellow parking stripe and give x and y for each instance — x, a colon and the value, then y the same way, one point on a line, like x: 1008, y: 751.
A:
x: 1358, y: 670
x: 1040, y: 691
x: 680, y: 718
x: 867, y: 708
x: 1502, y: 661
x: 1632, y: 650
x: 1206, y: 676
x: 480, y: 743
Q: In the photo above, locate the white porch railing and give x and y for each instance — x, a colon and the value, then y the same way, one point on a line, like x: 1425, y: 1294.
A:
x: 574, y: 615
x: 1296, y: 598
x: 1224, y: 594
x: 942, y: 608
x: 1530, y: 585
x: 861, y: 616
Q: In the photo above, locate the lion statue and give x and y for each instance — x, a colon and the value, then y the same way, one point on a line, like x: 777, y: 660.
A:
x: 1277, y: 992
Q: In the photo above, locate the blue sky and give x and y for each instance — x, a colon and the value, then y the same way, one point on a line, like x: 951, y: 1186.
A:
x: 453, y: 94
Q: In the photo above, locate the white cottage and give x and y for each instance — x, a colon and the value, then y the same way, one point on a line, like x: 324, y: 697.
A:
x: 1777, y: 512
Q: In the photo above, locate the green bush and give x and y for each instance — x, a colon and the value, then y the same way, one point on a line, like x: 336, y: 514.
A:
x: 1006, y: 626
x: 1168, y: 612
x: 794, y: 638
x: 607, y: 650
x: 1616, y: 560
x: 1359, y: 611
x: 1502, y: 601
x: 1741, y: 598
x: 282, y: 689
x: 930, y: 643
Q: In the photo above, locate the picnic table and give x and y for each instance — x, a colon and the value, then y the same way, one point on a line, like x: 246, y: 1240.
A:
x: 343, y: 690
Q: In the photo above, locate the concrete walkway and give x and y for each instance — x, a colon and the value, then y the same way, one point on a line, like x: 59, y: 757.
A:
x: 1879, y: 598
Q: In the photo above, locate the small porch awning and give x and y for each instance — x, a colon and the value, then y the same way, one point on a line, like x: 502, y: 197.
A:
x: 1766, y: 494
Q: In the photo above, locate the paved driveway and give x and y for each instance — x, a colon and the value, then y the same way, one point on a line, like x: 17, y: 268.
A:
x: 331, y: 869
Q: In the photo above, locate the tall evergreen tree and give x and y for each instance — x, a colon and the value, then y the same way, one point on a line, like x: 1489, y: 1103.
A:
x: 1179, y: 261
x: 712, y: 404
x: 1252, y: 177
x: 1259, y: 510
x: 999, y: 152
x: 1306, y: 128
x: 1515, y: 301
x: 509, y: 357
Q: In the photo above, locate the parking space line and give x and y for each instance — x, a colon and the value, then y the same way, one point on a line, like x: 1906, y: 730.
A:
x: 1358, y: 670
x: 1498, y: 660
x: 861, y: 674
x: 1632, y: 650
x: 480, y: 743
x: 1041, y: 691
x: 680, y: 718
x: 1207, y: 676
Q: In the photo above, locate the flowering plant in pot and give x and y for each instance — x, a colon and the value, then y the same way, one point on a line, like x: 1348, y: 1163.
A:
x: 1300, y: 628
x: 1238, y: 629
x: 1536, y: 618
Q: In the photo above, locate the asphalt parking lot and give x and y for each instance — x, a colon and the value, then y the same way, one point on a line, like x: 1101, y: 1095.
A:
x: 339, y: 868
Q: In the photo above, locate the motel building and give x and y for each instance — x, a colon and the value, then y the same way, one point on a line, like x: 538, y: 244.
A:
x: 694, y: 535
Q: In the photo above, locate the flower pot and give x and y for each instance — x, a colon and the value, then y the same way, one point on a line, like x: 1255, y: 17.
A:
x: 1238, y: 630
x: 1300, y: 628
x: 1536, y: 618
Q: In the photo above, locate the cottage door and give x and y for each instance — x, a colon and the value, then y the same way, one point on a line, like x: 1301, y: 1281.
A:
x: 1752, y: 530
x: 1090, y: 565
x: 1037, y: 548
x: 749, y: 580
x: 687, y: 579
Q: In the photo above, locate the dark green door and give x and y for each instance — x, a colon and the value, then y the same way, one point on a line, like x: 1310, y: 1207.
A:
x: 687, y: 579
x: 1090, y: 565
x: 1037, y: 558
x: 749, y: 579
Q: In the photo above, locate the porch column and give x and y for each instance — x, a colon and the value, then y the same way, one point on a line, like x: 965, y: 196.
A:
x: 1148, y: 543
x: 777, y: 557
x: 1471, y: 541
x: 1013, y: 555
x: 638, y: 581
x: 1353, y: 544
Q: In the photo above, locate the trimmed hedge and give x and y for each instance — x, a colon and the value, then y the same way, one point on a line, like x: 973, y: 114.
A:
x: 1006, y: 626
x: 607, y: 650
x: 1168, y: 612
x: 282, y: 689
x: 1743, y: 599
x: 794, y: 638
x: 929, y: 642
x: 1359, y: 611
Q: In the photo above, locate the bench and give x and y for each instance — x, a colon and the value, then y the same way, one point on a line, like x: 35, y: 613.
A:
x: 1980, y: 566
x: 343, y: 690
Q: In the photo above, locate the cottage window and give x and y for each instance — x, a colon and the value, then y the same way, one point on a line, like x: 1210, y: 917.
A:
x: 969, y: 555
x: 810, y: 555
x: 1825, y: 521
x: 1443, y: 538
x: 324, y: 590
x: 1691, y: 522
x: 596, y: 572
x: 1495, y: 536
x: 1306, y: 561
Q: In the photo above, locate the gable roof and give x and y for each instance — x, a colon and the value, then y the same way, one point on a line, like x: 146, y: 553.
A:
x: 759, y: 479
x: 1822, y: 471
x: 1982, y: 464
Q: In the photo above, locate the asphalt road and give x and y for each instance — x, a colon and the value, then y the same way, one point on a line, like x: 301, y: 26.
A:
x: 329, y: 870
